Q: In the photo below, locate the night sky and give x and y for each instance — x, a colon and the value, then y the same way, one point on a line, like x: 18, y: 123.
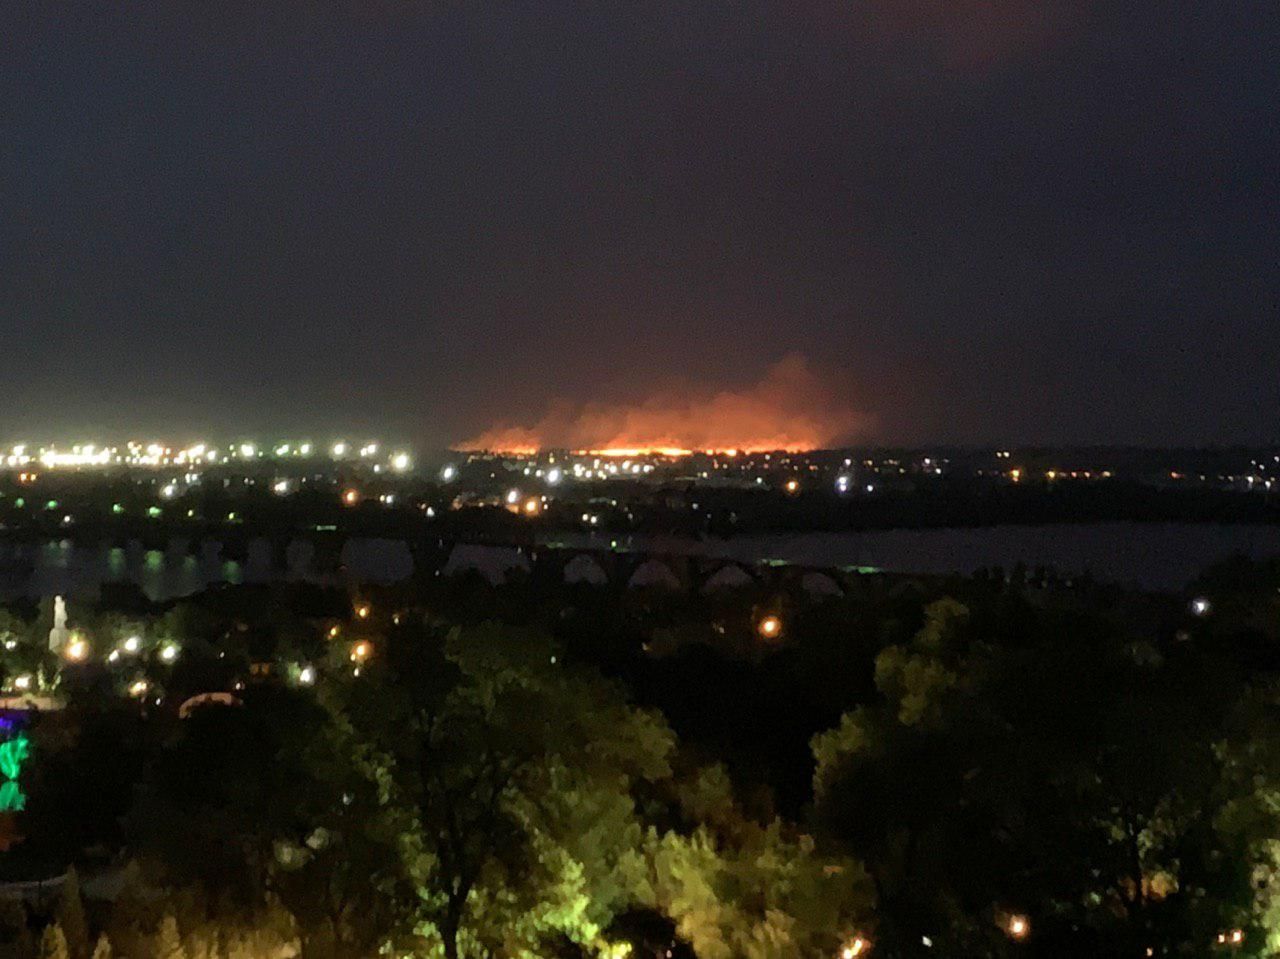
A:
x: 979, y: 221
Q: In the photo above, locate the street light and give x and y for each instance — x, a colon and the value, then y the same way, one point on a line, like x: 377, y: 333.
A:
x: 77, y: 650
x: 1017, y: 926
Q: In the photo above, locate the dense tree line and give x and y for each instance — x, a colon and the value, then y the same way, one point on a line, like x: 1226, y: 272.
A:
x: 968, y: 767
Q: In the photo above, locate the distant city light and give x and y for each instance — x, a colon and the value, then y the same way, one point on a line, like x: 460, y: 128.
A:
x: 339, y: 449
x: 169, y: 652
x: 1017, y: 926
x: 1201, y: 606
x: 400, y: 462
x: 351, y: 497
x: 770, y: 627
x: 554, y: 476
x: 77, y: 650
x: 132, y: 644
x: 307, y: 675
x: 449, y: 473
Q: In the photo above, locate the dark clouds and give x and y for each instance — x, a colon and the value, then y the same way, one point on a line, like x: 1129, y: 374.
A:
x: 1007, y: 220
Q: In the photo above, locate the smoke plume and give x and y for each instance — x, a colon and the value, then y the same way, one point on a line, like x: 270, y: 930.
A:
x: 791, y: 408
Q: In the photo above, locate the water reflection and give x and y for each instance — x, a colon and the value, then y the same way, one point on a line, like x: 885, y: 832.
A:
x: 183, y: 567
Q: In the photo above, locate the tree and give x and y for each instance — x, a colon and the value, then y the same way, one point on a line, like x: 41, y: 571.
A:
x: 266, y: 800
x: 512, y: 776
x: 1078, y: 773
x: 737, y: 889
x: 167, y: 942
x: 71, y: 916
x: 53, y: 943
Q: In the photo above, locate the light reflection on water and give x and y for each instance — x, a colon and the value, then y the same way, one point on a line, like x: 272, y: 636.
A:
x: 60, y: 567
x: 1151, y: 555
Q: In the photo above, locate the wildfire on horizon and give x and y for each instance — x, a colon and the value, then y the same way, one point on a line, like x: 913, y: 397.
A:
x: 791, y: 409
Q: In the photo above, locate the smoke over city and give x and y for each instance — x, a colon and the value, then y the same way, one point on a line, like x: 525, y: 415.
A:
x: 790, y: 408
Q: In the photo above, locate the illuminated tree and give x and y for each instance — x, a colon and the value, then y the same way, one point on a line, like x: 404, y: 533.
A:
x: 736, y: 889
x: 167, y: 942
x: 512, y: 773
x: 53, y: 943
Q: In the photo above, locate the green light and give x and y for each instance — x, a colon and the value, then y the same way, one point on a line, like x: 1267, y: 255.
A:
x: 117, y: 508
x: 52, y: 504
x: 12, y: 798
x: 20, y: 502
x: 231, y: 517
x: 154, y: 511
x: 13, y: 754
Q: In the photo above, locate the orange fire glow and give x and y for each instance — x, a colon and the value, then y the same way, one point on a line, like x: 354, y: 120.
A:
x: 790, y: 409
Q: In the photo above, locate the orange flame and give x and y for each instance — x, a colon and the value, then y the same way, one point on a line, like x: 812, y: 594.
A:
x: 790, y: 409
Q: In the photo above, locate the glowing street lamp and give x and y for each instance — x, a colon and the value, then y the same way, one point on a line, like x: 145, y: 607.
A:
x: 1017, y: 927
x: 361, y: 651
x: 77, y: 650
x: 132, y: 644
x: 350, y: 497
x: 1200, y: 606
x: 363, y: 610
x: 400, y: 462
x: 770, y: 627
x: 169, y: 652
x: 307, y: 676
